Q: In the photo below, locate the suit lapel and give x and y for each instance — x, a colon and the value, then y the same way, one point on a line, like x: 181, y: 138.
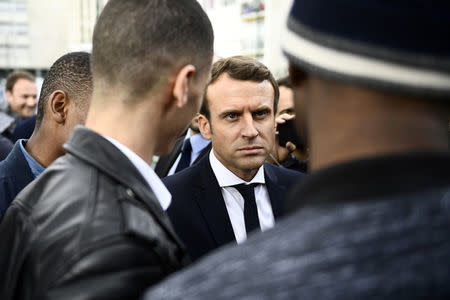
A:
x: 20, y: 168
x: 277, y: 191
x: 210, y: 200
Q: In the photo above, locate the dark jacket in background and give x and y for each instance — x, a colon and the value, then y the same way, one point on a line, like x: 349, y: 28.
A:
x: 24, y: 129
x: 371, y: 229
x: 15, y: 174
x: 89, y: 227
x: 198, y: 211
x: 165, y: 162
x: 5, y: 147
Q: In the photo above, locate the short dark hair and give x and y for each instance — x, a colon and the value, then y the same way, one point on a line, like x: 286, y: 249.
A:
x: 136, y: 43
x: 285, y: 81
x: 16, y: 75
x: 240, y: 68
x: 71, y: 73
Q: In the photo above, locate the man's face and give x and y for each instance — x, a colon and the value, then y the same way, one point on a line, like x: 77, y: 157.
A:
x: 286, y: 101
x: 23, y: 97
x: 242, y: 123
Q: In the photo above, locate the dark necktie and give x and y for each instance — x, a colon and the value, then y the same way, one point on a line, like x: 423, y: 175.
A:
x: 185, y: 159
x: 250, y: 210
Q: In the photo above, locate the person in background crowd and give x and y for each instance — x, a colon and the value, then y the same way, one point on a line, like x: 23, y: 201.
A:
x: 5, y: 147
x: 64, y: 102
x: 188, y: 150
x: 373, y: 216
x: 290, y: 156
x: 21, y: 96
x: 231, y: 192
x: 92, y: 225
x: 24, y: 129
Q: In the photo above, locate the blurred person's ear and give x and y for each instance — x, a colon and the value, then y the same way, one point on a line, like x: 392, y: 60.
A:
x: 58, y: 104
x: 181, y: 85
x: 204, y: 126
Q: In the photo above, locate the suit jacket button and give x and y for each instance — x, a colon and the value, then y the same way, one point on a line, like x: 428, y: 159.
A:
x: 130, y: 193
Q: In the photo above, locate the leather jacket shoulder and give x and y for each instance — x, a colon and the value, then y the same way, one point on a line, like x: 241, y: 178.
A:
x: 88, y: 227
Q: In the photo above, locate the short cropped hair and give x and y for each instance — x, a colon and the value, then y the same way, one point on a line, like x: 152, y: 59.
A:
x: 137, y: 43
x: 16, y: 75
x: 240, y: 68
x: 71, y: 73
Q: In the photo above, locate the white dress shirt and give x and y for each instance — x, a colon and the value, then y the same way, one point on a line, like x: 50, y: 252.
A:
x: 198, y: 143
x: 235, y: 202
x: 159, y: 189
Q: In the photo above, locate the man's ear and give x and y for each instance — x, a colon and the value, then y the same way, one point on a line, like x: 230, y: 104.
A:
x: 181, y: 86
x: 204, y: 126
x: 9, y: 96
x: 58, y: 106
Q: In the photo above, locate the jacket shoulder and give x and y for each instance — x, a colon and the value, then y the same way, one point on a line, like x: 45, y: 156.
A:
x: 185, y: 178
x: 283, y: 174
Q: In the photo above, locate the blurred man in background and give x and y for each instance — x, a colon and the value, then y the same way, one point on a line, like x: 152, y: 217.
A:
x: 21, y: 101
x: 64, y: 102
x: 293, y: 154
x: 21, y: 96
x: 373, y: 216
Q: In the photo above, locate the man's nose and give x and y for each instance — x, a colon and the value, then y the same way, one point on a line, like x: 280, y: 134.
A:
x: 249, y: 129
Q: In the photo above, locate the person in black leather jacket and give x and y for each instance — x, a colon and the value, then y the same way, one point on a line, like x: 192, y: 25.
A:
x: 93, y: 225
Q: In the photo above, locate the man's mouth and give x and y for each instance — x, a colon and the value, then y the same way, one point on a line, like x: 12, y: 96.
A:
x: 251, y: 150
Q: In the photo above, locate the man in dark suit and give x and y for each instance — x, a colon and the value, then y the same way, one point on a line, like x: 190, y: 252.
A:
x: 64, y: 101
x: 188, y: 150
x: 231, y: 192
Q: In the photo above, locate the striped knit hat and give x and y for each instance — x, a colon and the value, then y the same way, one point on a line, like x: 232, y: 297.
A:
x: 395, y: 45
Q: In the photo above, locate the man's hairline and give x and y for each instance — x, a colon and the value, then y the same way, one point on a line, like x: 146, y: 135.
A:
x: 20, y: 78
x: 205, y: 98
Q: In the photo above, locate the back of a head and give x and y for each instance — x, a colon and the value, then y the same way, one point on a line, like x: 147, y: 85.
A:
x: 393, y: 46
x: 16, y: 75
x: 137, y: 43
x: 71, y: 74
x: 241, y: 68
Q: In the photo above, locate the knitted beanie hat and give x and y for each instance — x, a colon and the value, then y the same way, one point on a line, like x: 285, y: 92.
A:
x: 395, y: 45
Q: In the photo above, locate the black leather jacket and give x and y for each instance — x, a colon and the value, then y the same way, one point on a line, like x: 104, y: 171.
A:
x: 88, y: 228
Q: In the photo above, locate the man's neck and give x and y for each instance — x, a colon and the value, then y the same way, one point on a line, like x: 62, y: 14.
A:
x: 351, y: 126
x: 135, y: 130
x: 44, y: 148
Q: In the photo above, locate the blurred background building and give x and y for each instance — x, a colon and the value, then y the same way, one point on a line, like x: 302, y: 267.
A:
x: 34, y: 33
x: 250, y: 27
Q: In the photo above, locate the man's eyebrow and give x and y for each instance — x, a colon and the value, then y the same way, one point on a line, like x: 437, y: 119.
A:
x: 229, y: 111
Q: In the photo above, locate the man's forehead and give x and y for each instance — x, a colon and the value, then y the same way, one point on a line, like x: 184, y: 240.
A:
x: 226, y: 87
x: 22, y: 83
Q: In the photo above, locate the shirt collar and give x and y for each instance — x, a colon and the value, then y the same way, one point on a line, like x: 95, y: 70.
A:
x: 35, y: 167
x: 227, y: 178
x: 162, y: 194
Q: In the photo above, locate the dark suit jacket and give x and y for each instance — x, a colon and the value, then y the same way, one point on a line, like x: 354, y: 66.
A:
x: 198, y: 211
x: 166, y: 162
x: 15, y: 174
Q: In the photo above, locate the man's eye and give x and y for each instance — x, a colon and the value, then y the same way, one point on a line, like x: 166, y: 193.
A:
x: 231, y: 116
x: 261, y: 113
